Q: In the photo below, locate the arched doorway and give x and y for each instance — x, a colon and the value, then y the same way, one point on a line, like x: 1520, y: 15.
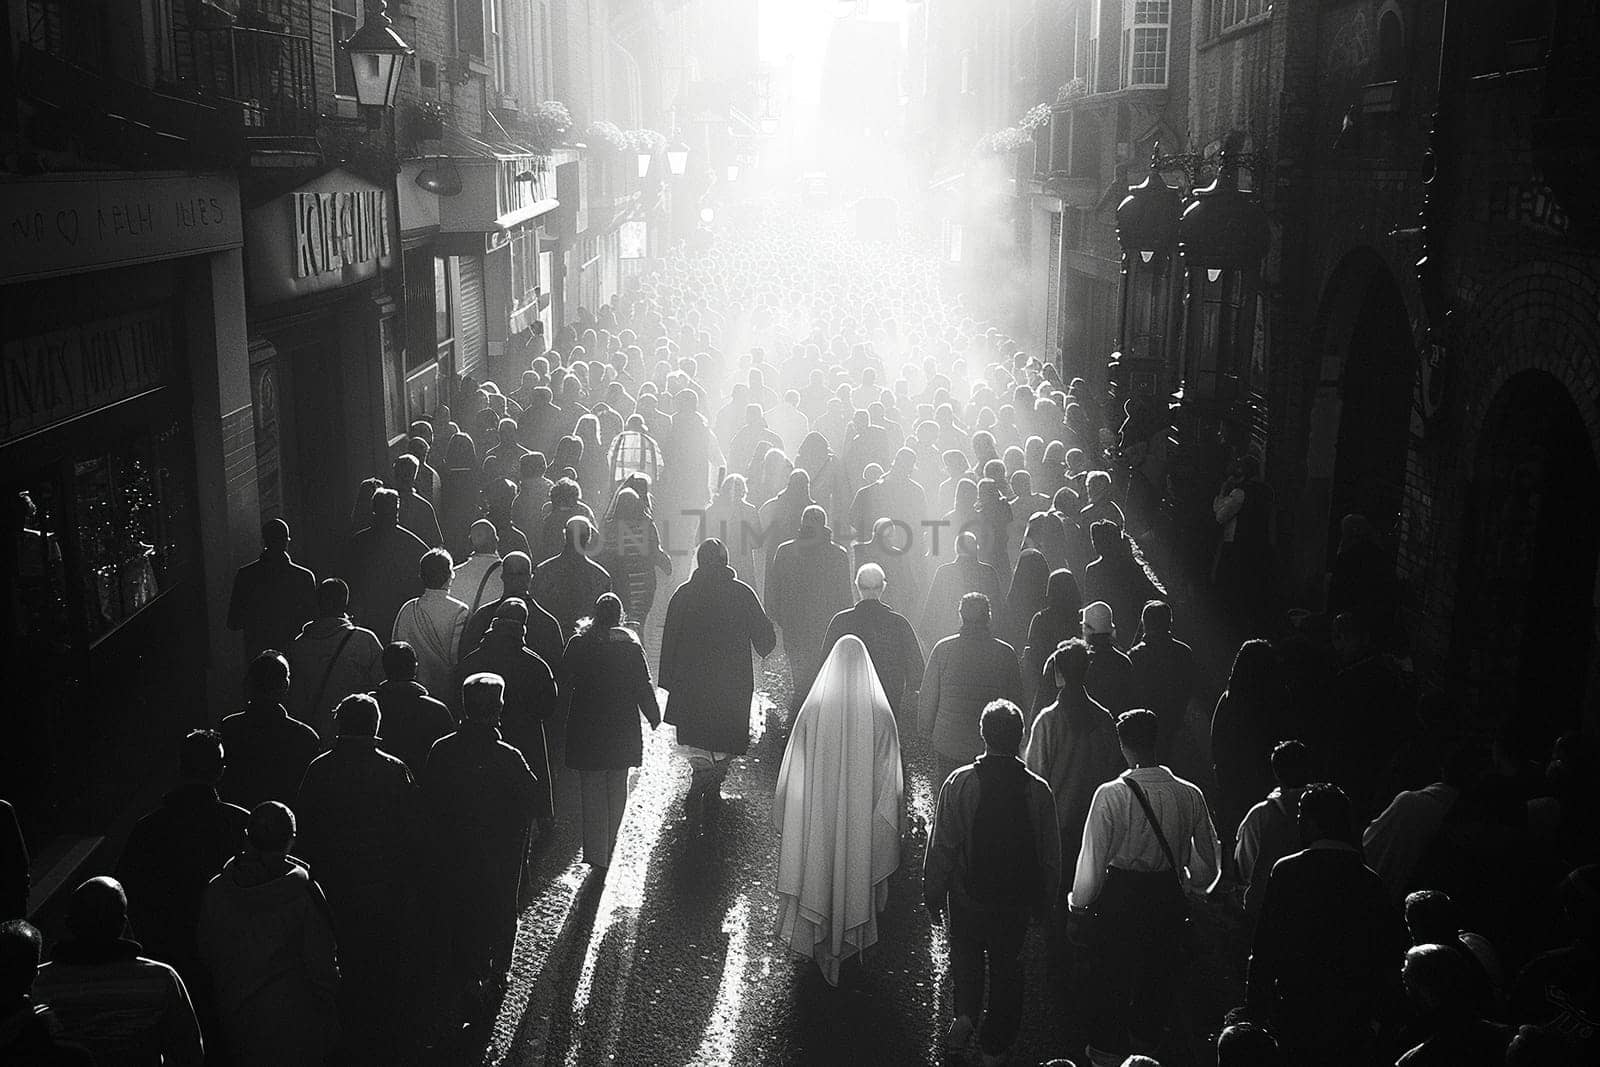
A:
x: 1360, y: 409
x: 1524, y: 631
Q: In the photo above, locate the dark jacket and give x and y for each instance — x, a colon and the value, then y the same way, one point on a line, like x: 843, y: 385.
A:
x: 1242, y: 736
x: 272, y: 598
x: 268, y: 753
x: 380, y: 565
x: 417, y: 515
x: 171, y: 855
x: 713, y: 622
x: 412, y: 722
x: 891, y: 643
x: 808, y: 584
x: 568, y: 585
x: 1163, y: 681
x: 1057, y: 622
x: 355, y: 811
x: 1327, y: 942
x: 1110, y: 677
x: 477, y: 800
x: 951, y: 582
x: 965, y: 672
x: 530, y: 699
x: 544, y: 632
x: 1120, y: 581
x: 607, y: 684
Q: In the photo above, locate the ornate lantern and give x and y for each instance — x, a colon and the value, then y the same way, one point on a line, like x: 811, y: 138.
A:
x: 377, y: 58
x: 1147, y: 230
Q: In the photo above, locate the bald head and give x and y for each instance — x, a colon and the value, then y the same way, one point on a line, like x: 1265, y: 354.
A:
x: 516, y: 571
x: 98, y: 911
x: 870, y: 581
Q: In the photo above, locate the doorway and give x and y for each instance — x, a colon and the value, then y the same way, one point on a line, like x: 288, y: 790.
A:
x: 1524, y: 632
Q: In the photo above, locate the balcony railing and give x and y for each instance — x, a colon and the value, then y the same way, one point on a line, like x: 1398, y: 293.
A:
x: 269, y: 76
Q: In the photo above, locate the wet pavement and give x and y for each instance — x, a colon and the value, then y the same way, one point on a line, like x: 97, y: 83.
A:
x: 672, y: 957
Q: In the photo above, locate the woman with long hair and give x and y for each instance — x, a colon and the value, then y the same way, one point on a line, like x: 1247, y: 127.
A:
x: 1026, y: 597
x: 1059, y: 620
x: 608, y: 681
x: 594, y: 472
x: 631, y: 552
x: 460, y: 481
x: 1243, y: 731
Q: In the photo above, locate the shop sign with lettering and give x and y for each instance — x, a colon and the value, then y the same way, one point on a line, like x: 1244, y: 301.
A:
x: 54, y: 226
x: 51, y: 377
x: 332, y: 232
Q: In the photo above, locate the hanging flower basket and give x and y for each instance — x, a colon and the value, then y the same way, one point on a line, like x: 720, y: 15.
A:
x: 550, y: 122
x: 427, y: 120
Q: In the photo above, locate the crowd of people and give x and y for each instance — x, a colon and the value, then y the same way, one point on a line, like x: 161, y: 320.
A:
x: 946, y: 539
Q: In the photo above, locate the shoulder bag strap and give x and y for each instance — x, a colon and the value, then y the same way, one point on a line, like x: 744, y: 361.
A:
x: 477, y: 598
x: 328, y: 673
x: 1161, y: 838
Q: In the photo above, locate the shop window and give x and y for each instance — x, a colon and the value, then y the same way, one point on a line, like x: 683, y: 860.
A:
x: 346, y: 15
x: 1145, y: 40
x: 35, y: 577
x: 524, y: 268
x: 133, y: 505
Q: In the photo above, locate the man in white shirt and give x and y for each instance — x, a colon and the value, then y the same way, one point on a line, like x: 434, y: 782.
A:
x: 477, y: 579
x: 1148, y: 841
x: 432, y: 624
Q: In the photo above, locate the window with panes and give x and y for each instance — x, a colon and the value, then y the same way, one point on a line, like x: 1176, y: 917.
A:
x: 1146, y: 36
x: 1225, y: 14
x: 346, y: 16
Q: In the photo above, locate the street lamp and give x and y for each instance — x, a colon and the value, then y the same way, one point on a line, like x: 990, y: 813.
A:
x: 733, y: 172
x: 644, y: 163
x: 377, y: 58
x: 1147, y: 230
x: 1223, y: 237
x: 677, y: 158
x: 769, y: 124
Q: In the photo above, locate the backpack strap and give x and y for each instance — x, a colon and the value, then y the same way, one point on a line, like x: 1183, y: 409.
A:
x: 477, y: 598
x: 1155, y: 824
x: 327, y: 674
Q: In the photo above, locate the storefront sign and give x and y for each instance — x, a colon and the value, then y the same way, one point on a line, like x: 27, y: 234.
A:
x: 332, y: 232
x: 67, y: 225
x: 51, y: 377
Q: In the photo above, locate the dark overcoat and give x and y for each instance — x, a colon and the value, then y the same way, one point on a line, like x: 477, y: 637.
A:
x: 607, y: 682
x: 713, y: 622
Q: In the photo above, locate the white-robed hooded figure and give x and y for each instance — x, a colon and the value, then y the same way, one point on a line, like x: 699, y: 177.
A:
x: 839, y: 806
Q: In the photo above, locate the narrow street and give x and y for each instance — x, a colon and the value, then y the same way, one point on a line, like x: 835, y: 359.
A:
x: 672, y: 959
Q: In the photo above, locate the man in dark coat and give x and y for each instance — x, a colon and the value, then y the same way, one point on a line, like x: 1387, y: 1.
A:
x: 1326, y: 943
x: 688, y: 450
x: 541, y: 423
x: 416, y: 514
x: 380, y: 565
x: 273, y: 596
x: 897, y: 495
x: 412, y: 720
x: 1163, y: 677
x: 173, y: 853
x: 544, y: 632
x: 808, y: 585
x: 529, y: 698
x: 568, y: 584
x: 891, y: 642
x: 356, y: 807
x: 477, y: 798
x: 1110, y: 680
x: 267, y: 749
x: 714, y: 621
x: 965, y: 672
x: 962, y: 575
